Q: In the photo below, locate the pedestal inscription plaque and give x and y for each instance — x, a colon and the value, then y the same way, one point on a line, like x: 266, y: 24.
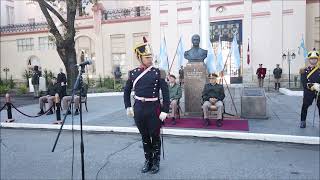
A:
x: 253, y: 104
x: 195, y: 79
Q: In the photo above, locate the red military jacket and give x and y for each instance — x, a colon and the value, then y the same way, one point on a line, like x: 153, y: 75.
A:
x: 261, y: 72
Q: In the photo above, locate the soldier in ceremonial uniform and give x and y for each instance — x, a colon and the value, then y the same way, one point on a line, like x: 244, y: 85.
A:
x: 310, y: 79
x: 261, y: 73
x: 146, y: 81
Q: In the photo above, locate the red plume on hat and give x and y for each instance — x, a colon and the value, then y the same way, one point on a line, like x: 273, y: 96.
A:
x: 144, y: 39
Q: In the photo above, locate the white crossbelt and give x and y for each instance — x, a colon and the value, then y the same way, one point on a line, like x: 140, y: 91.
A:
x: 146, y: 99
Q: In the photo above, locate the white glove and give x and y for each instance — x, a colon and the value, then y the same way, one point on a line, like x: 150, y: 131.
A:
x: 163, y: 116
x: 316, y: 87
x: 130, y: 112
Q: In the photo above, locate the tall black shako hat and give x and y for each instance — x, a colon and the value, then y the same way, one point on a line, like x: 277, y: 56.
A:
x: 143, y: 49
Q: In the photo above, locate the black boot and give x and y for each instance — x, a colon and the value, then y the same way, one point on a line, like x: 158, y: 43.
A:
x: 155, y: 165
x: 173, y: 122
x: 50, y: 112
x: 40, y: 112
x: 206, y: 122
x: 147, y: 165
x: 156, y: 145
x: 275, y: 86
x: 147, y: 148
x: 219, y: 123
x: 68, y: 112
x: 303, y: 124
x: 76, y: 112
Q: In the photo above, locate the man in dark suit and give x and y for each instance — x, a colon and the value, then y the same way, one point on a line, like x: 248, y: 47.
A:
x: 277, y: 72
x: 53, y: 89
x: 212, y: 97
x: 146, y: 81
x: 62, y: 80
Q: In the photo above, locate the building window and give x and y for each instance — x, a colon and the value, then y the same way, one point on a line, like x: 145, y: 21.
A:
x: 118, y: 52
x: 10, y: 15
x: 25, y: 44
x: 45, y: 43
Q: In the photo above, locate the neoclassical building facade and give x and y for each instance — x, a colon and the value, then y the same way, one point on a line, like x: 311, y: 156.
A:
x: 109, y: 33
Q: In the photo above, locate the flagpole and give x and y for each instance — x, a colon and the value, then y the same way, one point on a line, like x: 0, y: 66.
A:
x: 222, y: 77
x: 165, y: 43
x: 174, y: 56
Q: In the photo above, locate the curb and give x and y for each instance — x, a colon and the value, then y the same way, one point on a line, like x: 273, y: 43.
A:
x: 290, y: 93
x: 105, y: 94
x: 179, y: 132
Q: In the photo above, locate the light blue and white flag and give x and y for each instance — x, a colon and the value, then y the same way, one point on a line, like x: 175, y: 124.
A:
x: 220, y: 63
x: 211, y: 59
x: 304, y: 49
x: 180, y: 52
x: 235, y: 55
x: 163, y: 56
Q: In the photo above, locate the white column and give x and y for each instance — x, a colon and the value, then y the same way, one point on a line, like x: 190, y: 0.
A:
x: 195, y: 17
x: 155, y: 26
x: 204, y: 23
x: 247, y: 38
x: 172, y: 37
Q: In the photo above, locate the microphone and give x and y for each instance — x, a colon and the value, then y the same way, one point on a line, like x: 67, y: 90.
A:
x: 87, y: 62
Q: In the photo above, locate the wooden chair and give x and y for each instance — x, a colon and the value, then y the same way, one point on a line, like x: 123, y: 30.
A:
x: 179, y: 110
x: 214, y: 108
x: 84, y: 100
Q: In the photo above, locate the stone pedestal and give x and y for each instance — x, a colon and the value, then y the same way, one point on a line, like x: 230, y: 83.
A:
x: 253, y: 103
x: 195, y: 76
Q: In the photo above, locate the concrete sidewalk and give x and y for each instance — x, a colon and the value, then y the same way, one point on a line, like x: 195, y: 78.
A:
x: 108, y: 113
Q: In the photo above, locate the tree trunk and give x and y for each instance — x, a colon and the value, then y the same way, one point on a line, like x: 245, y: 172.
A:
x: 69, y: 59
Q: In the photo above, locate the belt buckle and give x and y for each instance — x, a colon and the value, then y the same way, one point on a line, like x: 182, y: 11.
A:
x: 143, y: 100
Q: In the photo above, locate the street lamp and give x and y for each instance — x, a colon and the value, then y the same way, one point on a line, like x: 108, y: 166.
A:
x: 290, y: 56
x: 6, y: 70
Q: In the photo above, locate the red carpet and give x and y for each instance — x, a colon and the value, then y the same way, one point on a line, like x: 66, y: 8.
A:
x: 237, y: 125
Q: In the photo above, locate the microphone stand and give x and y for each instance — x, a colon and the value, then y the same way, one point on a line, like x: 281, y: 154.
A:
x: 77, y: 86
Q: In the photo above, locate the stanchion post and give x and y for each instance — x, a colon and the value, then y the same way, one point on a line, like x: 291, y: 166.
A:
x: 58, y: 105
x: 9, y: 108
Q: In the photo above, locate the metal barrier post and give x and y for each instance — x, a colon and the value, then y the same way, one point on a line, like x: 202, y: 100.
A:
x: 9, y: 108
x: 58, y: 106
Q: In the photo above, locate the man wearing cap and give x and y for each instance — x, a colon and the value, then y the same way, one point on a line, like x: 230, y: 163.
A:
x: 146, y: 81
x: 212, y: 97
x: 310, y: 79
x: 277, y: 72
x: 261, y: 73
x: 175, y: 94
x: 53, y: 89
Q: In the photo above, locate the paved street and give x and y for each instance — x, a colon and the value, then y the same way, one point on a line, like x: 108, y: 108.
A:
x: 283, y: 112
x: 26, y: 154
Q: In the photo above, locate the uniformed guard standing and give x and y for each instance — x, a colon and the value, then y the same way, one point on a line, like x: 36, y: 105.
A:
x: 146, y: 81
x: 310, y: 79
x: 277, y: 72
x: 261, y: 73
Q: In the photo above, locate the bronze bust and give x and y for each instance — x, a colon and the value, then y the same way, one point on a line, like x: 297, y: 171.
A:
x: 195, y: 54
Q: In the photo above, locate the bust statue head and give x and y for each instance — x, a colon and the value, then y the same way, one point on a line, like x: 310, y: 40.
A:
x: 195, y: 40
x: 195, y: 54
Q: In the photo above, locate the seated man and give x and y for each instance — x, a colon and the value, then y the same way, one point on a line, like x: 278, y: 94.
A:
x: 66, y: 100
x: 53, y: 88
x: 212, y: 96
x: 175, y: 94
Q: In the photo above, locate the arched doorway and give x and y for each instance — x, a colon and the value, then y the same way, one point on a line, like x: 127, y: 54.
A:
x: 86, y: 45
x: 33, y: 61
